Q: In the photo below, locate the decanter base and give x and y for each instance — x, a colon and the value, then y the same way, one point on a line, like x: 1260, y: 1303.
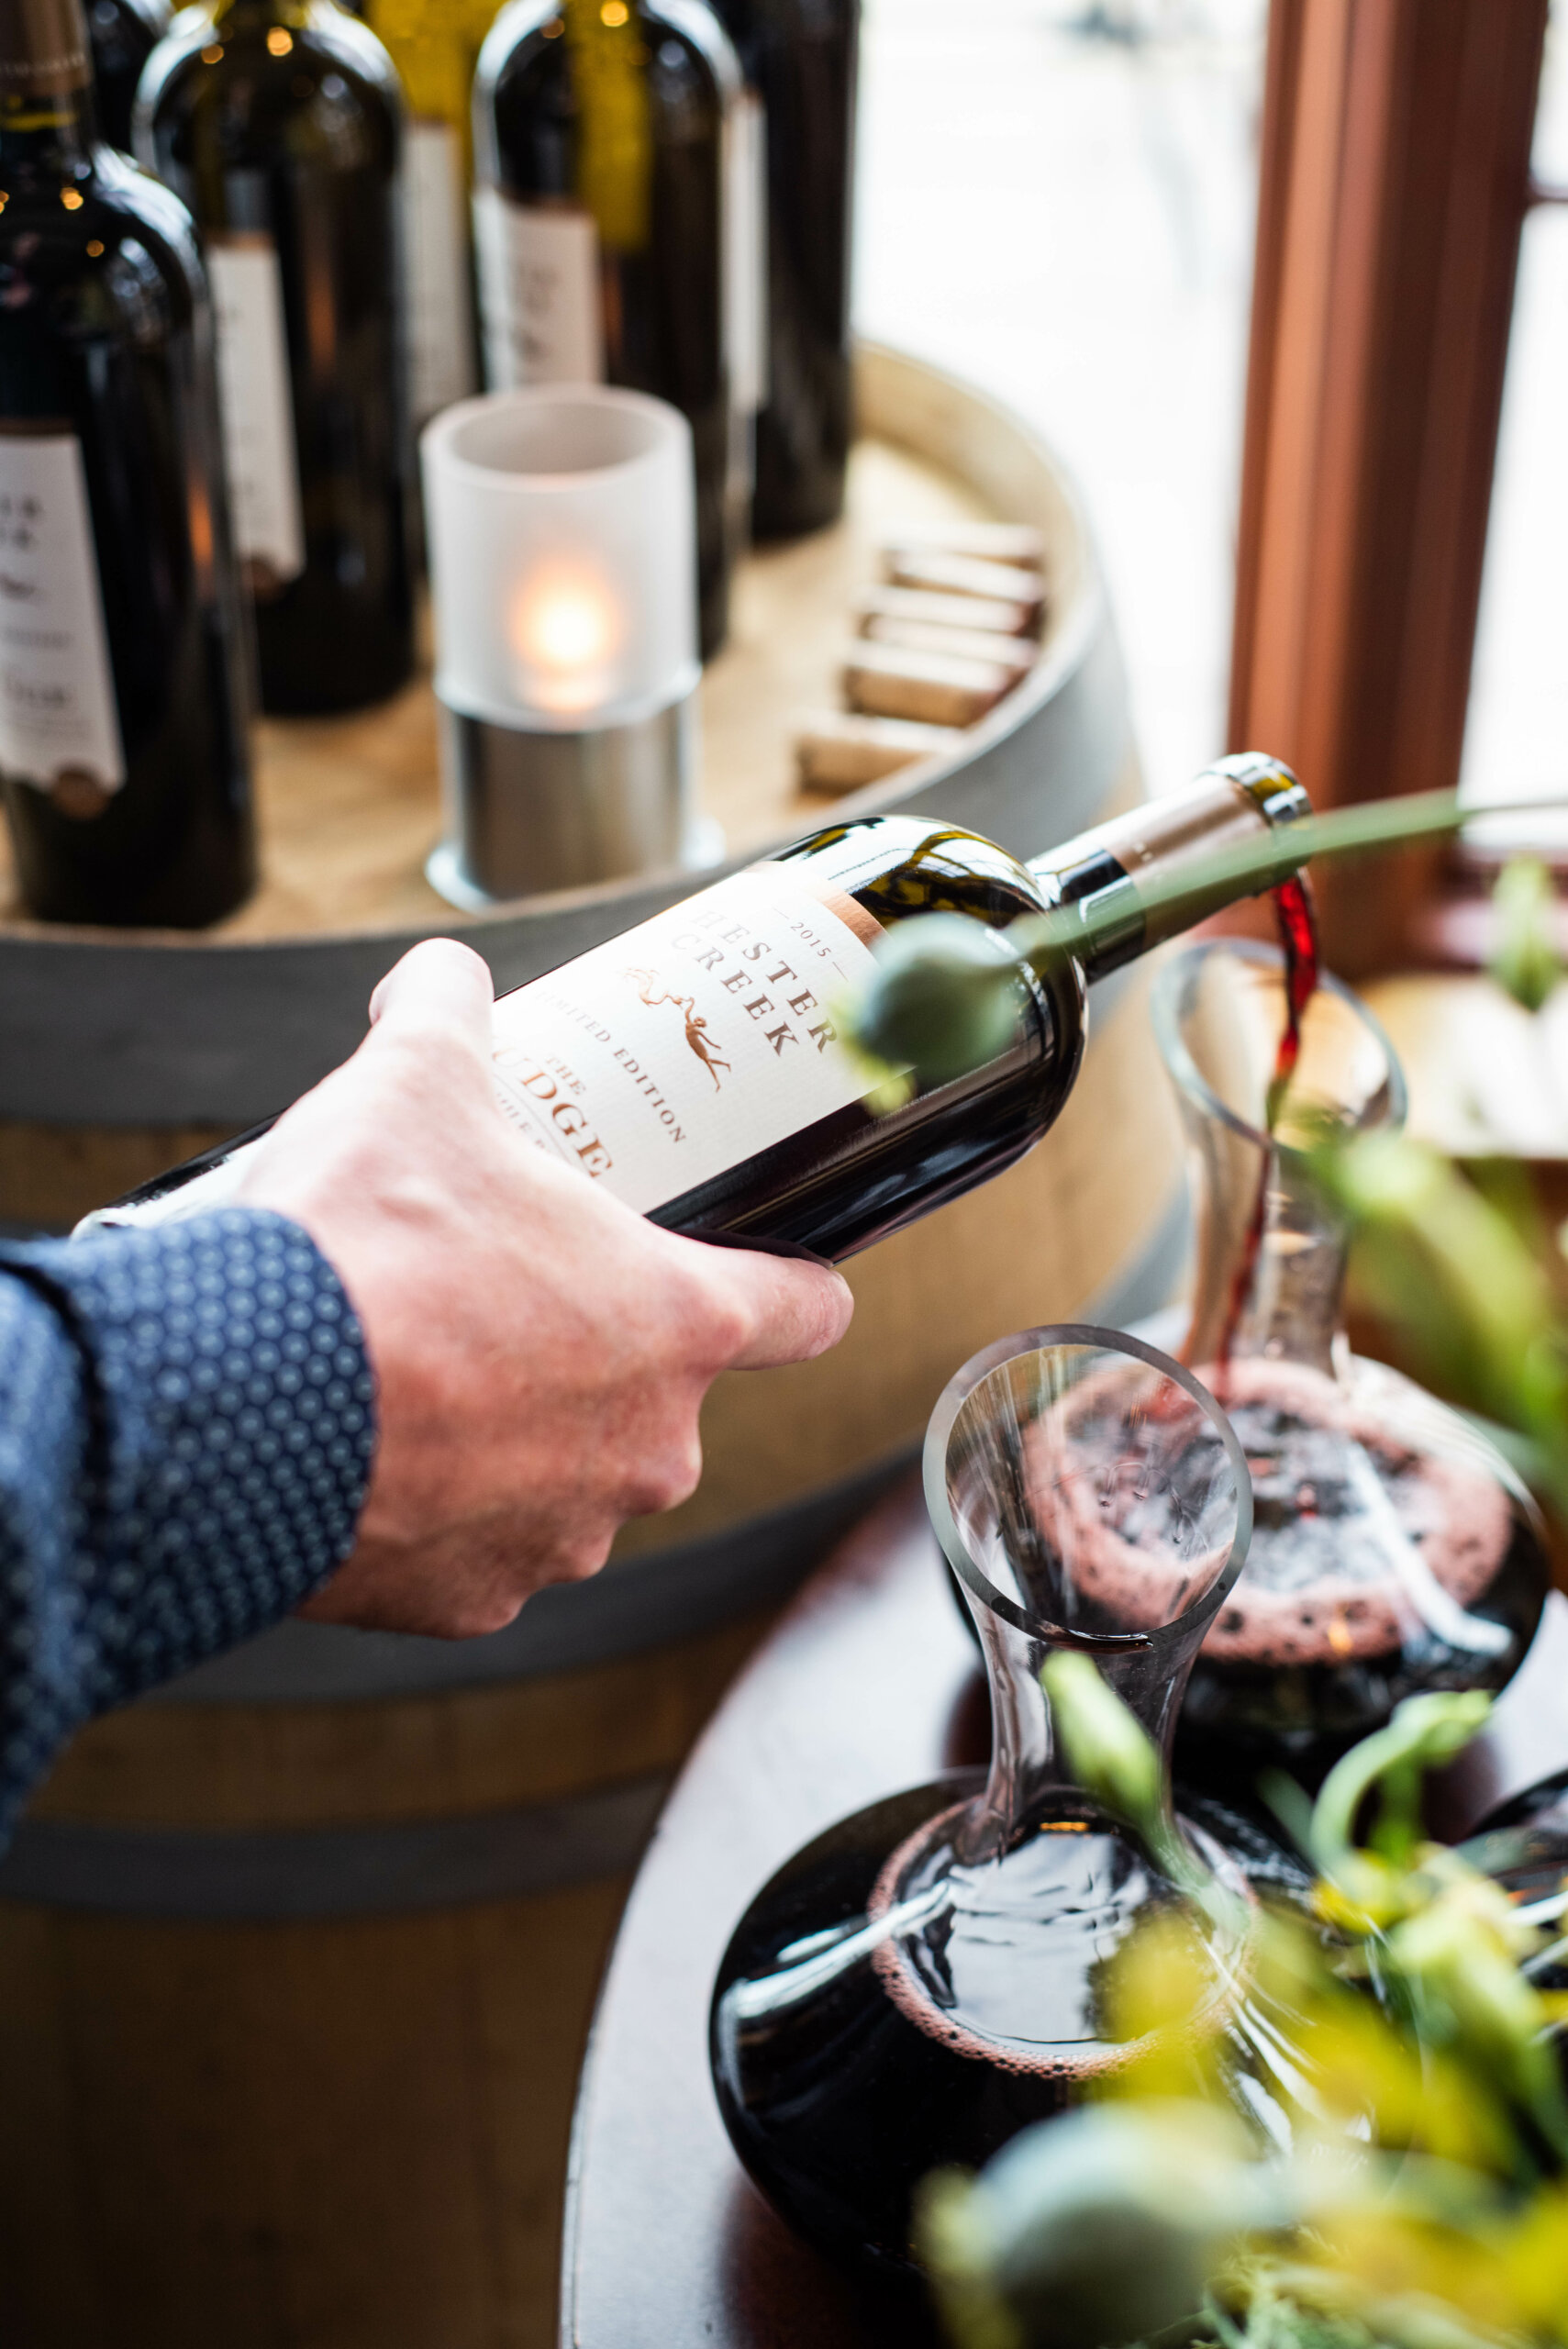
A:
x: 843, y: 2083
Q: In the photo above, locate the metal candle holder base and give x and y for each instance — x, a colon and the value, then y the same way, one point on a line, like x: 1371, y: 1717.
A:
x: 532, y: 812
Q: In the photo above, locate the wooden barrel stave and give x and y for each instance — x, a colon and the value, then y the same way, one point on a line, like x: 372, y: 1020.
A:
x: 345, y: 2130
x: 348, y: 2132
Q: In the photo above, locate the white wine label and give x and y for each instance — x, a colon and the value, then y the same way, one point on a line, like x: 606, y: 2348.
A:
x: 746, y: 252
x: 440, y: 311
x: 258, y: 407
x: 539, y: 293
x: 690, y: 1044
x: 59, y: 718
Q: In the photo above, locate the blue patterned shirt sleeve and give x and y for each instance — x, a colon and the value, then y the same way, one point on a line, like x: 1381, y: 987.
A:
x: 187, y: 1421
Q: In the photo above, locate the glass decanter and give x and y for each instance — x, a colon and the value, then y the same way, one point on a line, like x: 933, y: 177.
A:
x: 926, y: 1978
x: 1393, y: 1549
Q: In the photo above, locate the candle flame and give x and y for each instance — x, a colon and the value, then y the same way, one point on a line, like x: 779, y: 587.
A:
x: 565, y: 632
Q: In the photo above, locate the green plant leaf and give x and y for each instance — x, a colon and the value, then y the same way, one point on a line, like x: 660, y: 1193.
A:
x: 1525, y: 960
x: 942, y: 1004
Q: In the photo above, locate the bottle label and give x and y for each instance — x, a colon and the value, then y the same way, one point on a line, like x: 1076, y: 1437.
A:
x: 690, y: 1044
x: 59, y: 718
x: 539, y: 293
x: 257, y: 400
x: 440, y: 311
x: 746, y: 252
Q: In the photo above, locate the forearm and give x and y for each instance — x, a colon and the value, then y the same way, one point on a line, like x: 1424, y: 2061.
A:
x: 187, y: 1428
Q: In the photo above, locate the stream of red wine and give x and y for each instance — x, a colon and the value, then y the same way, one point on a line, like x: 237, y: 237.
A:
x: 1298, y: 937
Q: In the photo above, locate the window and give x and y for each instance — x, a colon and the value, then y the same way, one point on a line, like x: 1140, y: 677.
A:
x: 1056, y: 202
x: 1516, y: 744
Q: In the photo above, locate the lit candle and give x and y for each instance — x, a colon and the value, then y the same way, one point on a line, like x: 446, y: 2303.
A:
x: 563, y: 574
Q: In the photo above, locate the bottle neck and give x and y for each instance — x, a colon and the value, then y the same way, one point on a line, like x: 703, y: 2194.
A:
x: 234, y: 15
x: 48, y: 127
x: 1106, y: 871
x: 615, y: 151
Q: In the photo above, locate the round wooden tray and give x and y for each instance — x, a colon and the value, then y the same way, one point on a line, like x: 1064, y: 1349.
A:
x: 351, y: 807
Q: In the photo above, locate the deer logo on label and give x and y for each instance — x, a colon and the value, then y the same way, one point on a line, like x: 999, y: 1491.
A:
x: 652, y: 991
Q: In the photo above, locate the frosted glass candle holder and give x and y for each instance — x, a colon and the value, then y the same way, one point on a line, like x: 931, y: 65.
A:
x: 561, y: 537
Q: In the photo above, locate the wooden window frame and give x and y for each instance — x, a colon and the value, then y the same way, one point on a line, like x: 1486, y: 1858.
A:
x: 1395, y: 179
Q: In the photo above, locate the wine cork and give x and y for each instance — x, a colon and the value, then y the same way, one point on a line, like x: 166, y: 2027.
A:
x: 1014, y: 653
x: 963, y: 574
x: 938, y: 688
x: 1011, y: 542
x: 1009, y: 619
x: 837, y: 751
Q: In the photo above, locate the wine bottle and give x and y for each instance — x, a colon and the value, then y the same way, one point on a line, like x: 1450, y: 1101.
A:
x: 799, y: 58
x: 601, y: 134
x: 124, y: 34
x: 435, y: 46
x: 280, y: 123
x: 693, y: 1066
x: 123, y: 668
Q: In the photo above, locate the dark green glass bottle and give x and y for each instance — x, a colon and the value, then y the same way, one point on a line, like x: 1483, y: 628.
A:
x: 279, y: 122
x: 124, y: 34
x: 693, y: 1065
x: 800, y: 59
x: 123, y: 670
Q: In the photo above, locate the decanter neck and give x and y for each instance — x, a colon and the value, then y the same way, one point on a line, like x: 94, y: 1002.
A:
x: 1271, y: 1254
x: 1270, y: 1245
x: 1031, y: 1775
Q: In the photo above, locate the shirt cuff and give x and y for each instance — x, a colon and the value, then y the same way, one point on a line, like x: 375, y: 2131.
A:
x: 231, y: 1429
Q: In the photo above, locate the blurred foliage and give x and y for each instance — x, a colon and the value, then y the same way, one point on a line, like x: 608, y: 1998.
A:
x: 1525, y: 960
x: 1466, y: 1275
x: 1422, y: 2200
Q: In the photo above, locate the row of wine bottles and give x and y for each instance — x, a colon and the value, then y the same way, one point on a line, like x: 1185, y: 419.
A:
x: 207, y: 387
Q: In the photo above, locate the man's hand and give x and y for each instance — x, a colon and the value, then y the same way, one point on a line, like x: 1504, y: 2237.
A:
x: 541, y: 1352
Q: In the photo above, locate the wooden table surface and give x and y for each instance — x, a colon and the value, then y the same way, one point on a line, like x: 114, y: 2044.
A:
x: 869, y: 1685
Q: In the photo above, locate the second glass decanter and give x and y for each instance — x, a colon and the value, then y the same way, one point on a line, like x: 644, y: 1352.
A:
x: 1393, y: 1550
x: 928, y: 1977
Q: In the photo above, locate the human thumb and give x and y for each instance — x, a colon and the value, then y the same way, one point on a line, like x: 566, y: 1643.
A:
x: 439, y: 992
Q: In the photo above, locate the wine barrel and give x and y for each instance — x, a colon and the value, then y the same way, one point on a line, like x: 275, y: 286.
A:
x: 296, y: 1958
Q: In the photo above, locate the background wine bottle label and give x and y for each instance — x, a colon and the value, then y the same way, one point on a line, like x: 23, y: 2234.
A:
x: 258, y: 407
x: 746, y: 252
x: 440, y: 316
x: 59, y: 719
x: 692, y: 1042
x: 539, y: 293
